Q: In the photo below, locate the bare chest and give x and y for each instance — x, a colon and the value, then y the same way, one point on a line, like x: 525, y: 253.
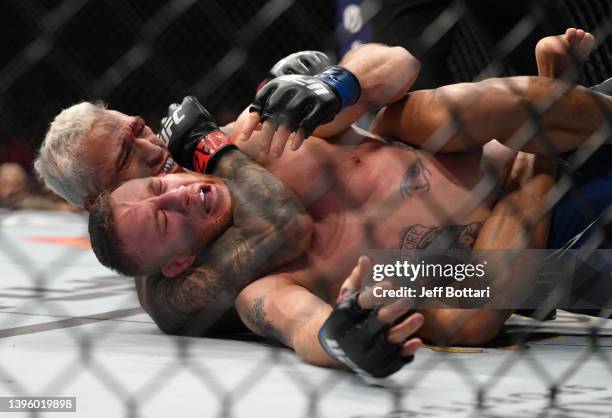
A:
x: 380, y: 196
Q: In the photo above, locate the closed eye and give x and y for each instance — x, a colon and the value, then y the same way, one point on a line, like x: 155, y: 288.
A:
x: 159, y: 187
x: 126, y: 157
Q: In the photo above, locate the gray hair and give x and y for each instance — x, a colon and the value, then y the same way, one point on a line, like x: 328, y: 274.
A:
x: 59, y: 163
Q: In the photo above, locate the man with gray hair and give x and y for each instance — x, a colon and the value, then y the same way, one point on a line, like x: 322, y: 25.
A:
x: 57, y: 163
x: 90, y: 148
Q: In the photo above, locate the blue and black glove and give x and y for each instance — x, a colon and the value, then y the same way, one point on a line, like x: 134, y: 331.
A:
x: 303, y: 101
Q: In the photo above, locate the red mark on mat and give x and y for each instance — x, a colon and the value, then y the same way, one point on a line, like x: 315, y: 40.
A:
x: 82, y: 242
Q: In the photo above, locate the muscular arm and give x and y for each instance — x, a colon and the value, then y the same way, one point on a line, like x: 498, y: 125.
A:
x: 385, y: 75
x: 465, y: 116
x: 270, y: 228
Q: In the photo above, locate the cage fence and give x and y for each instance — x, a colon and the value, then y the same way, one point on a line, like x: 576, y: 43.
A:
x: 70, y: 326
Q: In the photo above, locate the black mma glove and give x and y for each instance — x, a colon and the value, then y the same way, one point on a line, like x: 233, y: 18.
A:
x: 192, y: 136
x: 356, y: 338
x: 302, y: 101
x: 303, y: 63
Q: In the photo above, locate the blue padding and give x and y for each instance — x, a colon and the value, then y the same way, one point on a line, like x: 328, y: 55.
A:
x: 343, y: 82
x: 588, y: 199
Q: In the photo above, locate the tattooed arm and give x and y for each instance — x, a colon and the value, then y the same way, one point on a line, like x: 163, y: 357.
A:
x: 533, y: 114
x: 270, y: 228
x: 277, y: 308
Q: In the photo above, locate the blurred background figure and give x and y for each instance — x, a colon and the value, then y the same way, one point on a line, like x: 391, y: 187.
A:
x: 14, y: 185
x: 19, y: 187
x: 21, y: 190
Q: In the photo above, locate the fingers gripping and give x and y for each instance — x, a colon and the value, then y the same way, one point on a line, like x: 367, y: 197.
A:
x: 300, y: 103
x: 358, y: 337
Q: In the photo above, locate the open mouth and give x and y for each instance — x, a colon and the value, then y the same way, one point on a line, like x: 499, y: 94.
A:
x: 168, y: 165
x: 208, y: 198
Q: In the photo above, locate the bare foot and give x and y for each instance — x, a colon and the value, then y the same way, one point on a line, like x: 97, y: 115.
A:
x: 563, y: 55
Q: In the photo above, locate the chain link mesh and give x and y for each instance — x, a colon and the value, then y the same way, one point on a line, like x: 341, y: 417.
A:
x: 141, y: 56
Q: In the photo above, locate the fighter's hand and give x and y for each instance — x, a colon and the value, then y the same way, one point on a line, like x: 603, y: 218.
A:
x: 367, y: 340
x: 294, y: 105
x: 192, y: 135
x: 302, y: 63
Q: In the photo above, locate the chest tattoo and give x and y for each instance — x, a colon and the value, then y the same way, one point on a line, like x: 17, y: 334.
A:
x: 420, y: 237
x: 415, y: 179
